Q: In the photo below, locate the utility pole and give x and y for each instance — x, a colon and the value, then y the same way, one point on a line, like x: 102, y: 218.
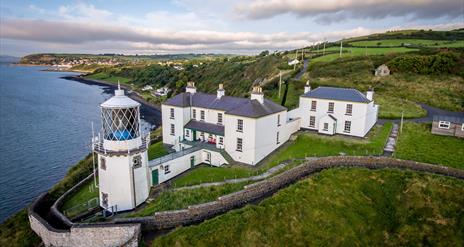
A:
x: 341, y: 47
x: 280, y: 81
x: 323, y: 51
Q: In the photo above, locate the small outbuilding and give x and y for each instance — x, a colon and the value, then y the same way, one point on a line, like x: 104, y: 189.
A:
x: 447, y: 125
x: 294, y: 62
x: 382, y: 70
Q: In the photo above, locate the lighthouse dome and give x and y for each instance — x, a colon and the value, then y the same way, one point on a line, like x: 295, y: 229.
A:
x: 119, y: 100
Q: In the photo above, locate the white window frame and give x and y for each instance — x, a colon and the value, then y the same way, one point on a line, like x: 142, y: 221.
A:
x: 221, y: 140
x: 277, y: 138
x: 202, y: 115
x: 187, y: 133
x: 444, y: 125
x: 103, y: 163
x: 166, y: 169
x: 462, y: 127
x: 313, y: 125
x: 349, y: 109
x: 278, y: 119
x: 194, y: 113
x: 313, y: 105
x: 347, y: 127
x: 326, y: 127
x: 173, y: 130
x: 219, y: 118
x: 239, y: 147
x: 331, y: 105
x: 240, y: 125
x: 171, y: 113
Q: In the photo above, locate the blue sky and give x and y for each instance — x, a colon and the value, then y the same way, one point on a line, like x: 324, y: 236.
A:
x: 221, y: 26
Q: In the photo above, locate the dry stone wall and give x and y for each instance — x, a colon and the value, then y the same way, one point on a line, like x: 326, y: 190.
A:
x: 260, y: 190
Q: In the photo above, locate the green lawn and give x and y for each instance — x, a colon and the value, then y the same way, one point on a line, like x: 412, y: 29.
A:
x: 419, y: 144
x: 306, y: 144
x: 342, y: 207
x: 173, y: 200
x: 399, y: 42
x: 76, y: 204
x: 391, y: 107
x: 156, y: 150
x: 355, y: 51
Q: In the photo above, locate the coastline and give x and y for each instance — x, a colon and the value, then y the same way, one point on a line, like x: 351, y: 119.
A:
x: 147, y: 109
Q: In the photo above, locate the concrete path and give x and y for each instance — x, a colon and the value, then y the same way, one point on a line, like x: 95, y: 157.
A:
x: 261, y: 176
x: 303, y: 70
x: 391, y: 143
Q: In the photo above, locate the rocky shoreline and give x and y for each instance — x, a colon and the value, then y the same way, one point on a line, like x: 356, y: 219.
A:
x: 148, y: 109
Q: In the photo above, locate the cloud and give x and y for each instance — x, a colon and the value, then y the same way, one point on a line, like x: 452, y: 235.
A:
x: 328, y: 11
x: 80, y: 11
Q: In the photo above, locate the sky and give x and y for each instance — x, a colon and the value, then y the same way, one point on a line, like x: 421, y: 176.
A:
x: 208, y: 26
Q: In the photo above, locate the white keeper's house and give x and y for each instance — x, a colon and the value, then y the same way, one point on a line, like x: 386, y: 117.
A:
x: 213, y: 129
x: 330, y: 110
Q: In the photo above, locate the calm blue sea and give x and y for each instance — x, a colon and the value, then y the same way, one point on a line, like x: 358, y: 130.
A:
x: 45, y: 127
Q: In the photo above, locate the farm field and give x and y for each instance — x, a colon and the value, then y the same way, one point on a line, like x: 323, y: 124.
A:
x: 341, y: 207
x: 355, y: 51
x: 400, y: 42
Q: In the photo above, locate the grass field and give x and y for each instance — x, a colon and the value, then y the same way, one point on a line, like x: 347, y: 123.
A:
x: 419, y: 144
x: 86, y: 193
x: 156, y: 150
x: 355, y: 51
x: 342, y: 207
x: 106, y: 77
x: 173, y: 200
x: 399, y: 42
x: 306, y: 144
x: 391, y: 107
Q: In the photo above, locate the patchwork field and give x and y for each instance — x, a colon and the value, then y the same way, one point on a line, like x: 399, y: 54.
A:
x: 401, y: 42
x: 342, y: 207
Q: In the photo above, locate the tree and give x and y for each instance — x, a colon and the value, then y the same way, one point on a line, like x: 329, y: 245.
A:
x: 264, y: 53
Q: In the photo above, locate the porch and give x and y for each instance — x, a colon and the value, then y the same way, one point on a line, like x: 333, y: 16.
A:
x: 199, y: 131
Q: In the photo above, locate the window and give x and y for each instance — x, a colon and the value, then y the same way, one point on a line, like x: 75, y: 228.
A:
x: 239, y: 144
x: 221, y: 140
x: 278, y: 120
x: 347, y: 127
x: 277, y: 138
x: 313, y: 105
x: 172, y: 129
x: 208, y: 156
x: 219, y: 120
x: 171, y: 116
x: 104, y: 199
x: 194, y: 113
x: 187, y: 133
x: 349, y: 109
x: 166, y: 169
x: 137, y: 161
x: 444, y: 125
x: 239, y: 125
x: 312, y: 121
x: 103, y: 163
x: 202, y: 115
x: 202, y: 135
x: 462, y: 127
x: 326, y: 126
x: 331, y: 107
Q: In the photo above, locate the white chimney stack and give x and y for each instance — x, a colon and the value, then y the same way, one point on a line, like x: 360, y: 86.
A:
x: 221, y: 92
x: 257, y: 94
x: 307, y: 87
x: 370, y: 94
x: 191, y: 87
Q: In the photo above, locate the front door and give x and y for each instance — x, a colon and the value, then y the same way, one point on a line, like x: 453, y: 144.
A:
x: 154, y: 177
x: 192, y: 161
x: 194, y: 135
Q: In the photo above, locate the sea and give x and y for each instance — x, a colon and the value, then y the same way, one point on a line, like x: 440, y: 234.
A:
x: 45, y: 128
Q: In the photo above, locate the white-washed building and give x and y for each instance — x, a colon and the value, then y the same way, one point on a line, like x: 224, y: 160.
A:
x: 330, y: 110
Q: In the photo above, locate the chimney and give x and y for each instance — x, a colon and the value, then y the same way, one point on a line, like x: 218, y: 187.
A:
x: 221, y: 92
x: 191, y: 87
x: 307, y: 87
x: 257, y: 94
x: 370, y: 94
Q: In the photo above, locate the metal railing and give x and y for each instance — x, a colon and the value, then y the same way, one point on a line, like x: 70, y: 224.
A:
x: 99, y: 147
x: 172, y: 156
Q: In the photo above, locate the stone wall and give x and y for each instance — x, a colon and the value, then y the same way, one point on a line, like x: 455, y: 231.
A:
x: 80, y: 234
x: 260, y: 190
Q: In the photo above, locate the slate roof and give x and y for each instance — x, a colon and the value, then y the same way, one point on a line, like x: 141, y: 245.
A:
x: 451, y: 119
x: 231, y: 105
x: 205, y: 127
x: 343, y: 94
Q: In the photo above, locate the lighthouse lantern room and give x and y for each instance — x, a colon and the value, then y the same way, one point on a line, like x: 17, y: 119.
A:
x: 123, y: 175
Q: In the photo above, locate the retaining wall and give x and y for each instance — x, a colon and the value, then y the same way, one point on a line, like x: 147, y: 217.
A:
x: 260, y: 190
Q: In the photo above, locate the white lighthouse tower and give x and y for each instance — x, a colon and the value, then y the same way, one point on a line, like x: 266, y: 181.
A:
x: 122, y: 155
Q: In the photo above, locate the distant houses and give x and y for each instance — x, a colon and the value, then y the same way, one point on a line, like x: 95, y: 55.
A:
x: 147, y: 88
x: 382, y: 70
x: 293, y: 62
x: 446, y: 125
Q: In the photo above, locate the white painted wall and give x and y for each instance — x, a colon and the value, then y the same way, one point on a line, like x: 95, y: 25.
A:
x: 181, y: 117
x: 247, y: 155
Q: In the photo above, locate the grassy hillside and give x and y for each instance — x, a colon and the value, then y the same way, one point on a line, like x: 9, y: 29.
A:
x: 342, y: 207
x: 408, y: 42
